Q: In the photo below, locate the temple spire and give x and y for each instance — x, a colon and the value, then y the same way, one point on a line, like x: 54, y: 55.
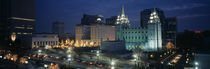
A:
x: 123, y: 12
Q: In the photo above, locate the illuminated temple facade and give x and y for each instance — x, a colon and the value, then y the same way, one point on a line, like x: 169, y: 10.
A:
x: 147, y: 39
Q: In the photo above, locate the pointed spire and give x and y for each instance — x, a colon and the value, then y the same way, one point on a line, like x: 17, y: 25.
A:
x: 123, y: 13
x: 154, y: 18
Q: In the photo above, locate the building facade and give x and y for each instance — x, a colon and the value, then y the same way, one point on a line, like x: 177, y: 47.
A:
x: 147, y: 38
x: 44, y: 40
x: 170, y: 29
x: 94, y: 33
x: 102, y: 32
x: 82, y: 32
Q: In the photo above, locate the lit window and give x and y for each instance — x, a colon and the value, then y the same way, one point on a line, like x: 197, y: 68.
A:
x: 18, y: 27
x: 29, y: 27
x: 24, y: 19
x: 18, y: 33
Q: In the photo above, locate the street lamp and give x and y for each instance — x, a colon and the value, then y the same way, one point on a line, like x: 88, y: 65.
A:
x: 45, y: 65
x: 26, y: 62
x: 97, y: 54
x: 39, y: 52
x: 112, y: 65
x: 196, y: 63
x: 69, y: 59
x: 135, y: 59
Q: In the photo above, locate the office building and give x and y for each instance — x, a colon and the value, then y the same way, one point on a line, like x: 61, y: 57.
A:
x: 102, y: 32
x: 58, y: 28
x: 91, y: 19
x: 170, y: 28
x: 111, y: 21
x: 82, y: 32
x: 94, y: 33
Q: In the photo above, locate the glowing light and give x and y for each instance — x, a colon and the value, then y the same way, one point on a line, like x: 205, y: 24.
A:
x: 112, y: 67
x: 112, y: 63
x: 12, y: 59
x: 26, y: 62
x: 196, y: 63
x: 13, y: 37
x: 45, y: 65
x: 98, y: 19
x: 69, y: 56
x: 24, y: 19
x: 135, y: 56
x: 151, y: 56
x: 69, y: 59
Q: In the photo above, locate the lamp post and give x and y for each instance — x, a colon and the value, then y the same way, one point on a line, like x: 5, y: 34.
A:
x: 135, y: 59
x: 196, y: 65
x: 112, y: 65
x: 39, y: 53
x: 97, y: 54
x: 45, y: 66
x: 69, y: 59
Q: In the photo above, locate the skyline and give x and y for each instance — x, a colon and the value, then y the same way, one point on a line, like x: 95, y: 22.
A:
x: 191, y: 14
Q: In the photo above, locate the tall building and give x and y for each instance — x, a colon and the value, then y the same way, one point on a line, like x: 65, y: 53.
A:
x: 17, y: 17
x: 170, y: 29
x: 145, y: 16
x: 58, y: 28
x: 4, y: 22
x: 91, y: 19
x: 111, y: 21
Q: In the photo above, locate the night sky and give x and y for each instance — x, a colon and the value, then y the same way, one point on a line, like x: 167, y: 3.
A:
x: 191, y: 14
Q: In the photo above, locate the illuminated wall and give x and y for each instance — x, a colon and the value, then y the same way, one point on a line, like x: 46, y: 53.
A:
x: 147, y: 39
x: 95, y: 33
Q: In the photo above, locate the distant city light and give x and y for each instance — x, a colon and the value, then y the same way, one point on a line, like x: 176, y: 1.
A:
x: 134, y: 55
x: 112, y: 63
x: 112, y: 67
x: 196, y: 63
x: 196, y: 67
x: 39, y: 51
x: 26, y: 62
x: 45, y: 65
x: 69, y: 55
